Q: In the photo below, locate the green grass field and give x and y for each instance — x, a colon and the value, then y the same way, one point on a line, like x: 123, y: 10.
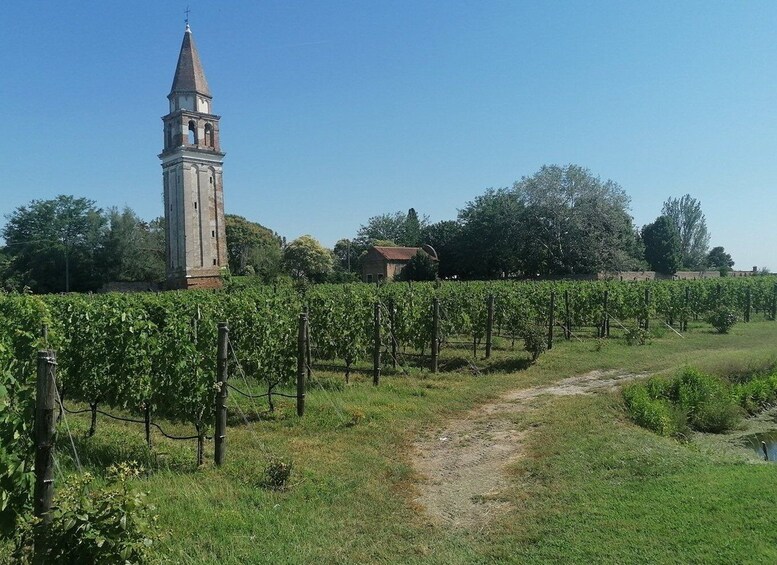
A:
x: 590, y: 486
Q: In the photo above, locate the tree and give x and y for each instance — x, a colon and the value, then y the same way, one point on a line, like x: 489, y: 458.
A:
x: 445, y: 238
x: 305, y: 258
x: 717, y: 258
x: 252, y: 248
x: 692, y: 228
x: 132, y: 250
x: 573, y: 222
x: 662, y: 245
x: 347, y: 254
x: 54, y: 244
x: 490, y: 235
x: 402, y: 229
x: 412, y: 229
x: 421, y: 267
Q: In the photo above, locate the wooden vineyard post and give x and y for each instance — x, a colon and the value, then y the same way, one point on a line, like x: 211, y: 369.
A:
x: 774, y: 303
x: 604, y: 330
x: 392, y: 332
x: 748, y: 303
x: 308, y: 355
x: 551, y: 319
x: 301, y: 355
x: 647, y: 309
x: 377, y: 345
x: 147, y: 422
x: 45, y: 399
x: 687, y: 310
x: 220, y: 435
x: 435, y: 333
x: 567, y: 317
x: 489, y: 324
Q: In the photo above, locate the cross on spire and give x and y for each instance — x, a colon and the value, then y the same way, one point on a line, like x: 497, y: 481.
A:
x: 186, y: 11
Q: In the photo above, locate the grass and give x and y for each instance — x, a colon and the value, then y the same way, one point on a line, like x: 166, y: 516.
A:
x: 593, y: 487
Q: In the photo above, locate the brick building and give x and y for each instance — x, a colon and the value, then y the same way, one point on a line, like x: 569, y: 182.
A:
x: 196, y: 251
x: 384, y: 263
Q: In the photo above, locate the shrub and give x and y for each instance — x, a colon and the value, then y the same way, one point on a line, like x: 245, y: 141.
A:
x: 535, y: 341
x: 655, y: 414
x: 690, y: 400
x: 636, y: 335
x: 722, y: 319
x: 756, y: 394
x: 94, y: 525
x: 277, y: 474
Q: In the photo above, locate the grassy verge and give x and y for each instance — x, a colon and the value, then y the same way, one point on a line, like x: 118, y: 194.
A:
x: 593, y: 486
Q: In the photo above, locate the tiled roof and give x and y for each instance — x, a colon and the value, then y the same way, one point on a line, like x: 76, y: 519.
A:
x: 397, y: 253
x: 189, y: 76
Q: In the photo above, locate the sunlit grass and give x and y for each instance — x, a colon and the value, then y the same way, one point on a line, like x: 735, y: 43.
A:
x: 592, y: 488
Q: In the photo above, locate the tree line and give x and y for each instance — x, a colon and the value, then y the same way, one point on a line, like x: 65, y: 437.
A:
x: 560, y: 221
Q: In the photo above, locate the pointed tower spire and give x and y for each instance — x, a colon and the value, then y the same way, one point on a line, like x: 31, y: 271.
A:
x: 189, y: 76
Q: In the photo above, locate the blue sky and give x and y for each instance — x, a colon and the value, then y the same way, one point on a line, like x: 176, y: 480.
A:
x: 333, y: 112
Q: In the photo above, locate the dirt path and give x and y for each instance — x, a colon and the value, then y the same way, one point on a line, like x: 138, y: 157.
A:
x: 463, y: 464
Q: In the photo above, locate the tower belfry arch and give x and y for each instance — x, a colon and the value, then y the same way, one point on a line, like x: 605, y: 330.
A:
x: 192, y: 163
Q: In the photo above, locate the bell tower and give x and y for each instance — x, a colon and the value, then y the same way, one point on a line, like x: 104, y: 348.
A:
x: 196, y: 247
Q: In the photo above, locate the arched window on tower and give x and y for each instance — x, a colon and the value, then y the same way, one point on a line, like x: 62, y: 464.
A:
x: 209, y: 135
x: 192, y: 133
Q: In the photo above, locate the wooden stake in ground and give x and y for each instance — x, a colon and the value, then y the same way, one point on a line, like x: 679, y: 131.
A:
x: 489, y: 324
x: 220, y: 434
x: 376, y: 347
x: 551, y: 319
x: 301, y: 355
x: 435, y: 333
x: 45, y: 429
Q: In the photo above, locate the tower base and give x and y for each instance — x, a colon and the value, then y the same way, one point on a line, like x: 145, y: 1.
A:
x: 192, y: 283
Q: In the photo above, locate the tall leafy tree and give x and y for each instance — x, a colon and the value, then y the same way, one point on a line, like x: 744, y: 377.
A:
x: 402, y: 229
x: 412, y: 235
x: 662, y: 245
x: 252, y: 248
x: 717, y: 258
x: 54, y: 244
x: 692, y: 228
x: 305, y: 258
x: 132, y: 250
x: 445, y: 238
x: 491, y: 235
x: 574, y: 222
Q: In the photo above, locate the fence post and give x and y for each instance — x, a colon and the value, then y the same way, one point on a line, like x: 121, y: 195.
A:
x: 376, y: 342
x: 301, y: 355
x: 308, y: 355
x: 605, y: 315
x: 45, y: 399
x: 748, y: 304
x: 551, y: 319
x: 392, y: 332
x: 567, y: 317
x: 686, y: 314
x: 647, y: 309
x: 435, y: 333
x: 489, y: 324
x: 220, y: 435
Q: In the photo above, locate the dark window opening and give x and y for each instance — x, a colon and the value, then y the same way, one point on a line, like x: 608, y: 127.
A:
x: 213, y: 234
x: 195, y: 205
x: 192, y: 133
x: 214, y: 261
x: 209, y: 135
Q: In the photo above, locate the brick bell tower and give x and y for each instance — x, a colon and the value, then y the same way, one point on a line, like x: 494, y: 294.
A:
x: 192, y: 160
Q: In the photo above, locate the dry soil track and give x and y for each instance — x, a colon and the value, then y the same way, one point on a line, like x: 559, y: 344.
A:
x: 463, y: 464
